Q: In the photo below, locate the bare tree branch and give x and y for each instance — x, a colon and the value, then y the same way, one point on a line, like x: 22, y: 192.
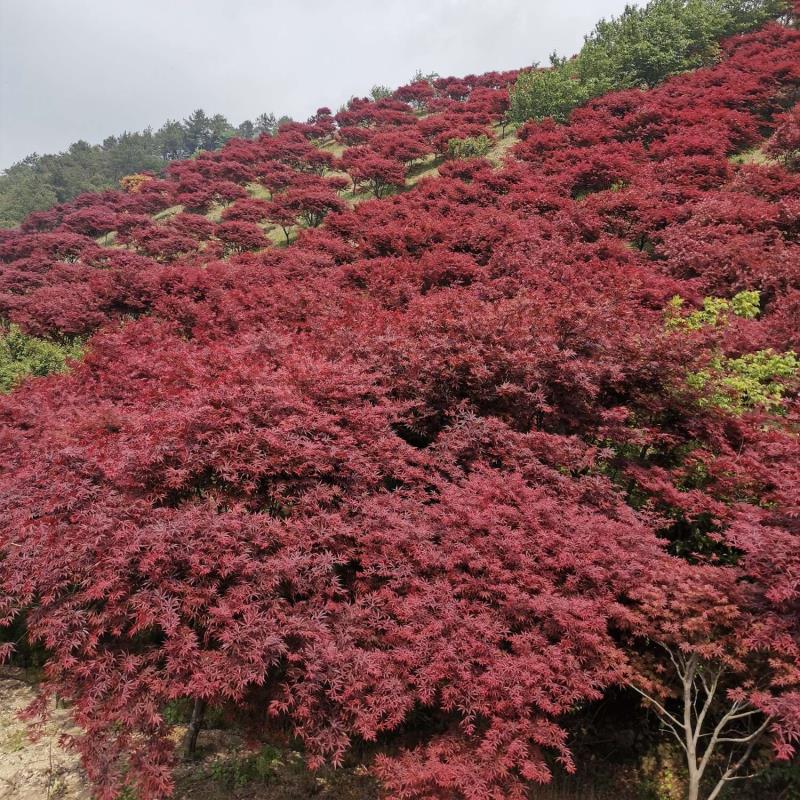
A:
x: 696, y: 678
x: 730, y: 773
x: 710, y: 694
x: 659, y: 707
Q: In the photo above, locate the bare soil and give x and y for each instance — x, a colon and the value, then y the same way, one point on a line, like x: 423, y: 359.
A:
x: 34, y: 770
x: 224, y: 768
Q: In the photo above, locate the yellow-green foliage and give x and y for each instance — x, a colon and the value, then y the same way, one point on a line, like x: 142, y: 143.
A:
x: 22, y: 355
x: 715, y: 311
x: 470, y: 147
x: 661, y: 769
x: 746, y: 304
x: 754, y: 380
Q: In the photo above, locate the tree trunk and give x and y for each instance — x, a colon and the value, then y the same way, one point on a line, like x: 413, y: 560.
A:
x: 694, y: 788
x: 193, y: 731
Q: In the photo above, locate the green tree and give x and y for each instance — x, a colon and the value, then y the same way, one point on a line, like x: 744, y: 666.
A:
x: 170, y: 140
x: 23, y: 190
x: 266, y: 123
x: 380, y: 92
x: 196, y: 131
x: 419, y: 75
x: 219, y: 131
x: 80, y: 169
x: 644, y: 45
x: 132, y: 152
x: 40, y: 181
x: 551, y: 92
x: 641, y: 47
x: 246, y: 130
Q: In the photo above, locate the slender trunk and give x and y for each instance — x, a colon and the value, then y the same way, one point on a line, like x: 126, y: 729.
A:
x: 688, y: 730
x: 193, y: 731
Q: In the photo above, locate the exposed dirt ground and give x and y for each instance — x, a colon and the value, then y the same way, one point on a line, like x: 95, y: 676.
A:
x: 39, y: 770
x: 223, y: 770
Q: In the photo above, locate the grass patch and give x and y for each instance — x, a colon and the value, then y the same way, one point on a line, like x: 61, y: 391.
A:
x: 238, y: 769
x: 753, y: 156
x: 258, y: 192
x: 14, y: 742
x: 167, y: 213
x: 425, y: 168
x: 498, y: 153
x: 215, y: 212
x: 335, y: 148
x: 107, y: 239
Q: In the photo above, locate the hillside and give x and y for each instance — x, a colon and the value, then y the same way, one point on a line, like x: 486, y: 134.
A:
x: 38, y: 182
x: 451, y: 438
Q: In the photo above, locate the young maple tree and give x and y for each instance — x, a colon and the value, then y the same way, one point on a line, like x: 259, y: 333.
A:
x: 239, y: 235
x: 378, y: 172
x: 306, y: 204
x: 785, y: 142
x: 707, y: 678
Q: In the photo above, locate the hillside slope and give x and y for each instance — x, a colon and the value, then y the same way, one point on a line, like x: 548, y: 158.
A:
x: 423, y: 458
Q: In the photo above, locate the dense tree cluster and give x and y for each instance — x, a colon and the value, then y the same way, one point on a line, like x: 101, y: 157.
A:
x: 456, y: 462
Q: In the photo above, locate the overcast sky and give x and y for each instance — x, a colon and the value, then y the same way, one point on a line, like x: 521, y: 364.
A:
x: 85, y: 69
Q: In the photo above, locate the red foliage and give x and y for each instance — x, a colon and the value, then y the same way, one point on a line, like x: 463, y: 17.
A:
x: 416, y: 94
x: 163, y: 244
x: 401, y: 145
x: 354, y: 134
x: 310, y: 204
x: 292, y: 149
x: 91, y: 221
x: 239, y: 236
x: 379, y: 172
x: 785, y: 143
x: 249, y: 210
x: 438, y: 454
x: 195, y: 225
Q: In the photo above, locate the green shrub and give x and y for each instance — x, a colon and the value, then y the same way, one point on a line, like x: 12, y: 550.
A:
x: 547, y: 93
x: 22, y: 355
x: 470, y: 147
x: 715, y: 311
x: 379, y: 92
x: 754, y: 380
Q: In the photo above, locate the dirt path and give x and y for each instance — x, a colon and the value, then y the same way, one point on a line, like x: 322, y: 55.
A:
x: 40, y: 770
